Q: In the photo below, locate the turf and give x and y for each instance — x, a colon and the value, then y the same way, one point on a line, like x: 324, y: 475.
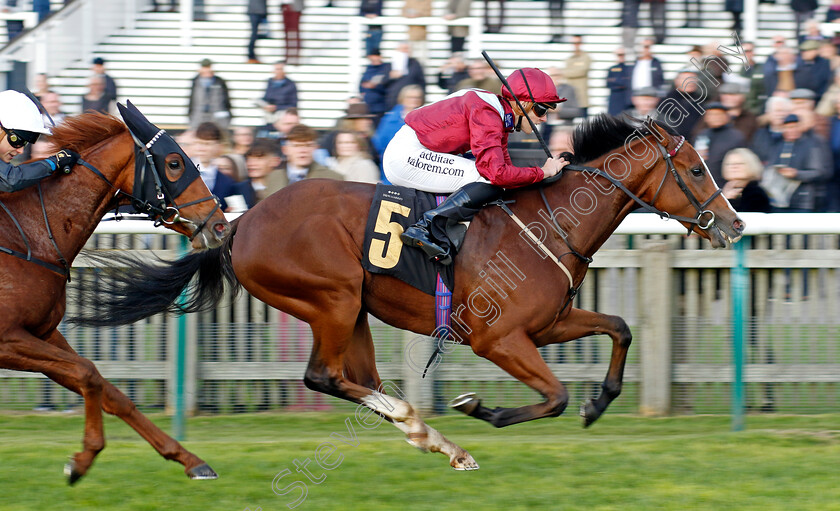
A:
x: 620, y: 463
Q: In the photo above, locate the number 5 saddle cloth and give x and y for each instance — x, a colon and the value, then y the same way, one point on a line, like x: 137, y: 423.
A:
x: 393, y: 209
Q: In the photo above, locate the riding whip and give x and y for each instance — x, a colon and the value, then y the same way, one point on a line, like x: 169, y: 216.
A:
x: 507, y: 85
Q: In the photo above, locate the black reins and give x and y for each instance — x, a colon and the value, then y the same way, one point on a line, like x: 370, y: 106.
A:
x: 157, y: 209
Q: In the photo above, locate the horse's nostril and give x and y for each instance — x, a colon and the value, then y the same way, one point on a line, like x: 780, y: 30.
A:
x: 220, y: 229
x: 738, y: 225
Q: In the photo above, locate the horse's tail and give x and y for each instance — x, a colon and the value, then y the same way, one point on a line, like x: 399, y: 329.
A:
x: 127, y: 289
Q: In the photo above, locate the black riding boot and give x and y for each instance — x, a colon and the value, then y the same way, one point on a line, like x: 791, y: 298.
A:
x: 429, y: 233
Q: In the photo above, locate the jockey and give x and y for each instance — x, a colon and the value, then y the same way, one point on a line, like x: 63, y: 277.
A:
x: 426, y: 152
x: 21, y: 123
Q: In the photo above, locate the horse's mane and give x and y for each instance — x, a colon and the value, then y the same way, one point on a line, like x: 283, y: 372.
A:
x: 78, y: 132
x: 598, y: 135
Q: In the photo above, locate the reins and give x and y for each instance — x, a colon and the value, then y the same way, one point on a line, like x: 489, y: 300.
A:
x: 667, y: 156
x: 157, y: 211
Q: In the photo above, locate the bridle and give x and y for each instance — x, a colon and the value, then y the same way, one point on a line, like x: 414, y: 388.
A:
x: 667, y: 156
x: 672, y: 170
x: 154, y: 200
x: 151, y: 197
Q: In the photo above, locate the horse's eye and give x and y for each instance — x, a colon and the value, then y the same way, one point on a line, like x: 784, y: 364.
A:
x: 174, y: 165
x: 697, y: 171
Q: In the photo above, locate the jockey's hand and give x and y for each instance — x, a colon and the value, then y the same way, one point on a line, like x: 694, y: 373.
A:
x: 65, y: 160
x: 553, y: 166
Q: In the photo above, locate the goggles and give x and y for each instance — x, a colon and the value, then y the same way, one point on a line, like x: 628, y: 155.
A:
x: 540, y: 109
x: 17, y: 140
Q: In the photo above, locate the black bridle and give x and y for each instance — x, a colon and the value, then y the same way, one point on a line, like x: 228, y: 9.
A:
x: 668, y: 157
x: 154, y: 200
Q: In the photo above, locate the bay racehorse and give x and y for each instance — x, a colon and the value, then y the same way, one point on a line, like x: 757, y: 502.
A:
x: 300, y: 250
x: 42, y: 230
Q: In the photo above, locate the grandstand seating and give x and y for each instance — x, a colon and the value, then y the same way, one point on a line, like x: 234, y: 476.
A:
x: 154, y: 70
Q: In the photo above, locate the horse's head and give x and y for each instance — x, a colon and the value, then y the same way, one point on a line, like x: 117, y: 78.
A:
x: 168, y: 186
x: 686, y: 190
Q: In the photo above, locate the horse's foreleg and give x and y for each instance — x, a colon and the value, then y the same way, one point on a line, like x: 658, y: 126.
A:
x: 357, y: 380
x: 21, y: 351
x: 516, y: 355
x: 580, y: 323
x: 116, y: 403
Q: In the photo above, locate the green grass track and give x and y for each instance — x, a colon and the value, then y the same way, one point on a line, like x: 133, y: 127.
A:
x: 620, y: 463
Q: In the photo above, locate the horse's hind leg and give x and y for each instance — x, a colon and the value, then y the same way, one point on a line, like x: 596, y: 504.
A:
x: 580, y: 323
x: 21, y: 351
x: 357, y: 380
x: 116, y: 403
x: 517, y: 355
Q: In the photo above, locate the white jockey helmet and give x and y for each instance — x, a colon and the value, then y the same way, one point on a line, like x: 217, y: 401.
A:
x: 20, y: 117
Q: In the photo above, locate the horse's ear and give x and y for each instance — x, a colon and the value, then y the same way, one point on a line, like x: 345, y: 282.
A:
x: 656, y: 130
x: 137, y: 123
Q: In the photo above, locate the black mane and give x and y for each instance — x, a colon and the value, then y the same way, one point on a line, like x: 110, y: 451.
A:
x: 598, y: 135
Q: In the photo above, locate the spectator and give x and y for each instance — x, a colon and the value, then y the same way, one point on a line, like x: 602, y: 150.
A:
x: 802, y: 10
x: 405, y: 70
x: 577, y: 72
x: 257, y: 14
x: 736, y: 8
x: 262, y: 160
x: 644, y: 103
x: 647, y: 70
x: 291, y: 29
x: 828, y: 104
x: 42, y: 85
x: 481, y: 76
x: 494, y: 28
x: 372, y: 9
x: 733, y: 98
x: 828, y: 51
x: 629, y: 23
x: 52, y: 104
x: 232, y: 165
x: 753, y: 76
x: 657, y: 19
x: 797, y: 171
x: 417, y: 33
x: 803, y: 104
x: 717, y: 139
x: 98, y: 69
x: 209, y: 98
x: 352, y: 160
x: 13, y: 27
x: 770, y: 63
x: 456, y: 9
x: 284, y: 121
x: 778, y: 108
x: 156, y: 6
x: 812, y: 71
x: 42, y: 7
x: 684, y: 98
x: 299, y: 163
x: 186, y: 139
x: 555, y: 14
x: 358, y: 120
x: 243, y: 137
x: 742, y: 172
x: 833, y: 186
x: 778, y: 73
x: 833, y: 13
x: 619, y: 79
x: 568, y: 110
x: 560, y: 140
x: 374, y: 84
x: 411, y: 98
x: 209, y: 145
x: 97, y: 99
x: 693, y: 13
x: 452, y: 72
x: 280, y: 92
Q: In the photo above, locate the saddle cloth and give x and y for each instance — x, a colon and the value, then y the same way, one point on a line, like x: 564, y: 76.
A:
x: 395, y: 208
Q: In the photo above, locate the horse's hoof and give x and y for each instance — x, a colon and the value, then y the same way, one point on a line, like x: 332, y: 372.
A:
x: 589, y: 412
x: 202, y: 472
x: 71, y: 473
x: 465, y: 403
x: 464, y: 462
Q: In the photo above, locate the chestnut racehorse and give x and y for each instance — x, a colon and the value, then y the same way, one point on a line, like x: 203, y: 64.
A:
x: 300, y: 251
x: 42, y: 230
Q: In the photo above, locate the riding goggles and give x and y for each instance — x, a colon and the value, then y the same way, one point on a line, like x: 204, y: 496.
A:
x: 540, y: 109
x: 19, y: 138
